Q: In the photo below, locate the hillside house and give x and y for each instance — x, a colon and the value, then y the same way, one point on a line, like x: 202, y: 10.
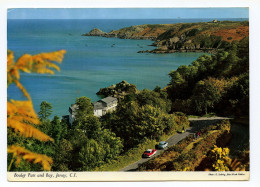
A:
x: 101, y: 107
x: 105, y: 105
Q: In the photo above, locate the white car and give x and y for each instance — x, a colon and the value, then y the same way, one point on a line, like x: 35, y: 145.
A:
x: 162, y: 145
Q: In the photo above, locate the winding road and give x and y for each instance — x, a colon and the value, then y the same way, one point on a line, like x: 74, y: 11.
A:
x: 196, y: 124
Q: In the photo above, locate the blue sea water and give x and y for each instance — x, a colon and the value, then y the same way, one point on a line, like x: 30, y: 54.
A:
x: 90, y: 63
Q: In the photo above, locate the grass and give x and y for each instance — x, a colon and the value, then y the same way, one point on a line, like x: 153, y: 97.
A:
x: 192, y: 116
x: 205, y: 115
x: 209, y: 115
x: 190, y: 146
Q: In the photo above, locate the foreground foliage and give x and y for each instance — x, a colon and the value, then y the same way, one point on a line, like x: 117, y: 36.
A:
x: 21, y: 117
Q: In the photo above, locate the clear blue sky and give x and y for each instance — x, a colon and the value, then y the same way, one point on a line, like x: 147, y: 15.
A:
x: 126, y: 13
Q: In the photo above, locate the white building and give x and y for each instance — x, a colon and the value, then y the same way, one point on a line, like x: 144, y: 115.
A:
x: 72, y: 111
x: 105, y: 105
x: 101, y: 107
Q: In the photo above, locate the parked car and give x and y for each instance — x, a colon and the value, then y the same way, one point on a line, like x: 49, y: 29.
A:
x: 162, y: 145
x: 149, y: 153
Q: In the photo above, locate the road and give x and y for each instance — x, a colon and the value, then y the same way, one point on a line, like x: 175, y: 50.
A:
x: 196, y: 124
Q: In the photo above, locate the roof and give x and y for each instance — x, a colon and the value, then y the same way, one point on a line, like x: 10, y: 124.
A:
x: 103, y: 102
x: 109, y: 99
x: 98, y: 105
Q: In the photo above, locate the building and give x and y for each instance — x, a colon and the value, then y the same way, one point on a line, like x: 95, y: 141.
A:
x: 101, y: 107
x: 105, y: 105
x: 72, y: 111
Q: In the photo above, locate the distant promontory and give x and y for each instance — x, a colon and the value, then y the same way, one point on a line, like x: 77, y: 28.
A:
x: 182, y: 37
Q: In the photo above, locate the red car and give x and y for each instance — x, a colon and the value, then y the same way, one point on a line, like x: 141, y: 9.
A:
x: 149, y: 152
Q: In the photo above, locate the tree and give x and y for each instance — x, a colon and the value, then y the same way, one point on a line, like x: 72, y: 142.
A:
x: 207, y: 93
x: 176, y: 78
x: 192, y: 88
x: 45, y: 111
x: 21, y: 116
x: 238, y: 95
x: 96, y: 152
x: 89, y: 124
x: 91, y: 155
x: 178, y: 86
x: 155, y: 98
x: 63, y: 156
x: 85, y: 107
x: 90, y: 144
x: 157, y: 89
x: 56, y: 129
x: 85, y: 119
x: 134, y: 121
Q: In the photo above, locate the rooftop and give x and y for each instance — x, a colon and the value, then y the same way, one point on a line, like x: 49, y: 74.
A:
x: 109, y: 99
x: 102, y: 103
x: 98, y: 105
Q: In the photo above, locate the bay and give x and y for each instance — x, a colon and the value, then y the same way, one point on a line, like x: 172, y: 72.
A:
x: 90, y: 62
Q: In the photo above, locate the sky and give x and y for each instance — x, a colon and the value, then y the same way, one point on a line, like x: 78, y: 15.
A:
x: 126, y: 13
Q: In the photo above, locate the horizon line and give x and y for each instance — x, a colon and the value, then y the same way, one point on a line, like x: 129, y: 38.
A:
x: 117, y: 18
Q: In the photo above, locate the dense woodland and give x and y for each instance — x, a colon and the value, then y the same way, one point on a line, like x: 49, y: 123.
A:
x: 217, y: 83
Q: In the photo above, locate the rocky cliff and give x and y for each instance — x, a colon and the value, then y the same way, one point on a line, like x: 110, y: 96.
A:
x: 120, y: 90
x: 95, y: 32
x: 182, y: 37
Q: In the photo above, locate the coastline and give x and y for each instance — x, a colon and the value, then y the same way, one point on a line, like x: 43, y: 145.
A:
x: 182, y: 37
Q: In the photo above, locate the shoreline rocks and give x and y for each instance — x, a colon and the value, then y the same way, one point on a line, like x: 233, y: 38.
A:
x: 112, y: 34
x: 119, y: 91
x: 95, y: 32
x: 158, y: 51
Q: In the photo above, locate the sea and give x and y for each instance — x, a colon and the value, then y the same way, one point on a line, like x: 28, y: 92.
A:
x: 90, y: 63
